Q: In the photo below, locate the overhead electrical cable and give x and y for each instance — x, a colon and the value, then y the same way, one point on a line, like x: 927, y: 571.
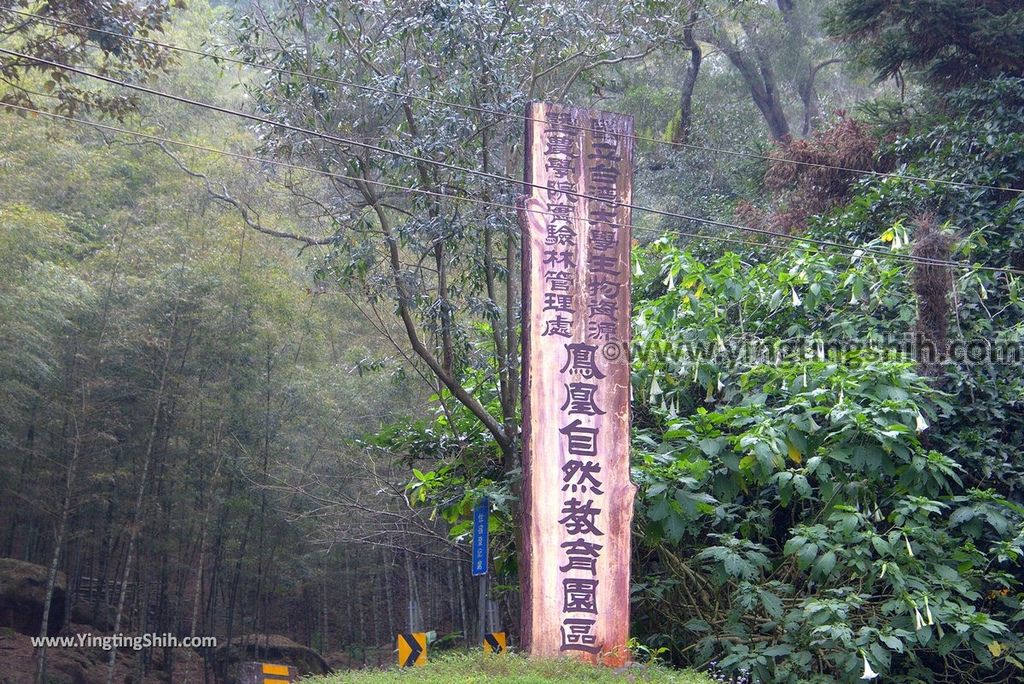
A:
x: 340, y: 176
x: 422, y: 191
x: 512, y: 115
x: 493, y: 176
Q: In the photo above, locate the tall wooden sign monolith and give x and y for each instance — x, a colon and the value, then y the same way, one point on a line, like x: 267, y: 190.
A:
x: 577, y: 493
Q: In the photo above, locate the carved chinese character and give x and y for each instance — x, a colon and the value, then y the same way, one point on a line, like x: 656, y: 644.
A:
x: 602, y: 287
x: 579, y: 595
x: 556, y: 258
x: 582, y: 440
x: 604, y: 174
x: 584, y: 472
x: 560, y: 121
x: 580, y: 518
x: 600, y: 263
x: 604, y: 239
x: 558, y: 281
x: 602, y: 131
x: 559, y: 325
x: 580, y: 360
x: 562, y: 191
x: 560, y: 143
x: 559, y: 167
x: 561, y: 212
x: 602, y: 330
x: 558, y: 302
x: 576, y: 635
x: 560, y: 235
x: 602, y: 212
x: 581, y: 555
x: 579, y: 399
x: 605, y: 151
x: 607, y: 308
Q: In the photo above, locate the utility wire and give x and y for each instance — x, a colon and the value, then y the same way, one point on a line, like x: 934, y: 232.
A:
x: 340, y: 176
x: 485, y: 174
x: 510, y: 115
x: 473, y: 200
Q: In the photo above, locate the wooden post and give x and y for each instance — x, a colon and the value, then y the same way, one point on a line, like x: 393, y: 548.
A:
x: 577, y: 493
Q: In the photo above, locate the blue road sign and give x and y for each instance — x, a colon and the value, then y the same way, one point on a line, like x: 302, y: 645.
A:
x: 480, y: 517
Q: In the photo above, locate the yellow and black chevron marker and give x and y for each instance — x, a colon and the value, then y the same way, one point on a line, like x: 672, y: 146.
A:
x: 494, y: 642
x: 412, y: 649
x: 266, y: 673
x: 276, y: 674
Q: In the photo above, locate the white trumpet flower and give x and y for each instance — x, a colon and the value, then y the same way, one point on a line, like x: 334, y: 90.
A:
x: 918, y: 620
x: 928, y: 612
x: 868, y: 672
x: 655, y: 389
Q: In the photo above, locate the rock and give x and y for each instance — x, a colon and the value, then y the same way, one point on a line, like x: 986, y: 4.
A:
x: 102, y: 618
x: 22, y: 594
x: 267, y: 648
x: 73, y: 671
x: 340, y: 660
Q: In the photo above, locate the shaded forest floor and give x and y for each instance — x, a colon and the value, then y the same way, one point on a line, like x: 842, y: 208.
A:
x: 85, y: 665
x: 481, y: 668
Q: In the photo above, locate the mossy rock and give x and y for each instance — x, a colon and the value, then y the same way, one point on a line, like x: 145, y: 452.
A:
x: 22, y: 595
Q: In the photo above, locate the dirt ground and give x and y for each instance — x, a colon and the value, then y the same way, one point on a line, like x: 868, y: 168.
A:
x: 89, y: 665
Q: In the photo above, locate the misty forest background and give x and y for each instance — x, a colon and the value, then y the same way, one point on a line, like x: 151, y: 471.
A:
x: 239, y: 397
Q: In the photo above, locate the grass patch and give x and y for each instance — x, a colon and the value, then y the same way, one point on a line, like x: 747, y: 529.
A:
x: 484, y: 668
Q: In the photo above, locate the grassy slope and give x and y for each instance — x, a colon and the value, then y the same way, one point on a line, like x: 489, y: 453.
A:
x: 480, y: 668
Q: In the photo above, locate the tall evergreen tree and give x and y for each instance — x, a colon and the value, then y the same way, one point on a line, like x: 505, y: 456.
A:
x: 950, y: 42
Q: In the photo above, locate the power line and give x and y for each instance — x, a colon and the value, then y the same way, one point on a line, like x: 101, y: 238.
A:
x: 484, y: 174
x: 498, y: 177
x: 510, y: 115
x: 473, y: 200
x: 341, y: 176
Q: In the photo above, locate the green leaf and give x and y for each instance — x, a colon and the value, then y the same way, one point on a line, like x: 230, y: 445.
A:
x: 806, y: 555
x: 824, y: 565
x: 712, y: 447
x: 772, y: 604
x: 894, y: 643
x: 793, y: 545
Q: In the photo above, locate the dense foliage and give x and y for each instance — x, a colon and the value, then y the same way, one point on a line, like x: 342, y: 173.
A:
x: 85, y: 34
x: 810, y: 497
x: 950, y: 42
x: 823, y: 502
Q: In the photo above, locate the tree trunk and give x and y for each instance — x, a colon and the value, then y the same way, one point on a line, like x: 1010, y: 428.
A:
x: 682, y: 132
x: 141, y: 491
x: 51, y: 577
x: 759, y: 78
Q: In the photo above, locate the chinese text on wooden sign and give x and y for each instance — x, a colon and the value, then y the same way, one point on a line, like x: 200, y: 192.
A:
x: 577, y: 498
